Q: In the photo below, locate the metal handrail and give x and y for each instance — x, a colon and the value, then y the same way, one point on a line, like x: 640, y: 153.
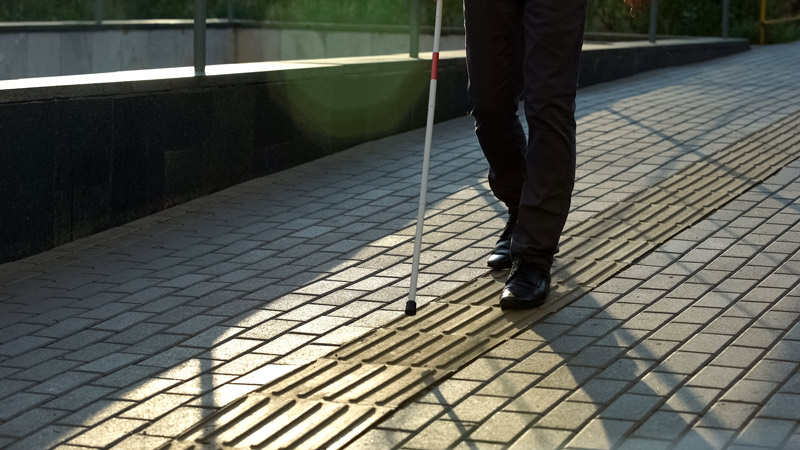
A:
x: 764, y: 21
x: 200, y: 14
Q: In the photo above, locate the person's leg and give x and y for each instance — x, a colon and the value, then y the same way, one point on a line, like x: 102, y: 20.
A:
x: 553, y: 33
x: 494, y: 44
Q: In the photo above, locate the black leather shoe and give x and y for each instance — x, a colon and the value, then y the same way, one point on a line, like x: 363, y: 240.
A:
x: 500, y: 259
x: 527, y: 286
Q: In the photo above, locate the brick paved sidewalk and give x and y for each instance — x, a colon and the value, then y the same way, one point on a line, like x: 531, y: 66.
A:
x: 696, y: 346
x: 129, y: 337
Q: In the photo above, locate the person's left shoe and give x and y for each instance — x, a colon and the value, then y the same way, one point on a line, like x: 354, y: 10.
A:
x: 527, y: 286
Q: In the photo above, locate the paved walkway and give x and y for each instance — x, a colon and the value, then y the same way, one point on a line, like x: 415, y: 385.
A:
x: 130, y: 337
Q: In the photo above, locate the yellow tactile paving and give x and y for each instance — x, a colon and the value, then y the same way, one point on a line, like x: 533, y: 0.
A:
x: 327, y: 403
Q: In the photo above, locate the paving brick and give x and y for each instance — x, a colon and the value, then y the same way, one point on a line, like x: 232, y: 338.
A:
x: 536, y: 400
x: 567, y: 344
x: 539, y: 362
x: 66, y: 327
x: 502, y: 426
x: 508, y: 384
x: 765, y: 432
x: 107, y: 432
x: 78, y: 398
x: 140, y: 441
x: 706, y: 343
x: 682, y: 362
x: 33, y: 358
x: 651, y: 349
x: 155, y: 407
x: 439, y: 435
x: 540, y: 438
x: 793, y: 334
x: 23, y: 344
x: 475, y: 408
x: 9, y: 387
x: 126, y: 376
x: 631, y: 407
x: 596, y: 356
x: 155, y: 344
x: 569, y: 415
x: 785, y: 350
x: 136, y: 333
x: 757, y: 337
x: 63, y: 383
x: 144, y: 389
x: 781, y: 406
x: 46, y: 370
x: 704, y: 439
x: 244, y: 363
x: 669, y: 305
x: 80, y: 340
x: 601, y: 434
x: 46, y: 438
x: 626, y: 369
x: 19, y: 402
x: 378, y: 438
x: 752, y: 391
x: 778, y: 320
x: 793, y: 385
x: 178, y: 314
x: 567, y: 377
x: 449, y: 392
x: 716, y: 299
x: 647, y: 321
x: 715, y: 377
x: 622, y: 338
x: 514, y: 349
x: 599, y: 390
x: 414, y: 416
x: 122, y: 321
x: 170, y: 358
x: 29, y: 422
x: 110, y: 362
x: 284, y: 344
x: 728, y: 415
x: 643, y: 444
x: 727, y: 325
x: 675, y: 332
x: 665, y: 425
x: 691, y: 399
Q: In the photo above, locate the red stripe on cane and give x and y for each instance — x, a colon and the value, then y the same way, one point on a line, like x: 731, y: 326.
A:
x: 435, y: 69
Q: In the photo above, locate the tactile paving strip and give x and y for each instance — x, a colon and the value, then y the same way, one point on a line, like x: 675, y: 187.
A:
x: 327, y: 403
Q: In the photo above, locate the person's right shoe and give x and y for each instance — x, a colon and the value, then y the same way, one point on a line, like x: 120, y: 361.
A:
x: 527, y: 286
x: 500, y: 258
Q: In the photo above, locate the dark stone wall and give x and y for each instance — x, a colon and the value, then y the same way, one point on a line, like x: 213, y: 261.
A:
x: 76, y: 160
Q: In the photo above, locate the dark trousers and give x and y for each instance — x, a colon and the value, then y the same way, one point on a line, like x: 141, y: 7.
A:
x: 529, y: 50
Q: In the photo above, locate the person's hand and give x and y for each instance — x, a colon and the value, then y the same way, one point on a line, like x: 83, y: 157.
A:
x: 636, y: 5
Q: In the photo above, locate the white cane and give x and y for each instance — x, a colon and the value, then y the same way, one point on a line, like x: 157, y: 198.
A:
x: 411, y: 304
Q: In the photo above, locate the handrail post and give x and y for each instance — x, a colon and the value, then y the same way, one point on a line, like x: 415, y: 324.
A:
x: 200, y: 12
x: 414, y: 16
x: 98, y: 11
x: 763, y: 18
x: 653, y: 20
x: 726, y: 10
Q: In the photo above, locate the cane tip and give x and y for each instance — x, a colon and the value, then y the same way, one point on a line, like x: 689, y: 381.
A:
x: 411, y: 308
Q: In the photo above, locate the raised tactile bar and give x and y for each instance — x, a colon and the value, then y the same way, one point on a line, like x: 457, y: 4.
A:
x: 327, y: 403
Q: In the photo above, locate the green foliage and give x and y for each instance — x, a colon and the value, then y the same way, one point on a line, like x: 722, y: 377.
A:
x: 697, y: 18
x: 676, y: 17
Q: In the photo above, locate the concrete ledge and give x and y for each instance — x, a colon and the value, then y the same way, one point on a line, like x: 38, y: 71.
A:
x: 88, y: 152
